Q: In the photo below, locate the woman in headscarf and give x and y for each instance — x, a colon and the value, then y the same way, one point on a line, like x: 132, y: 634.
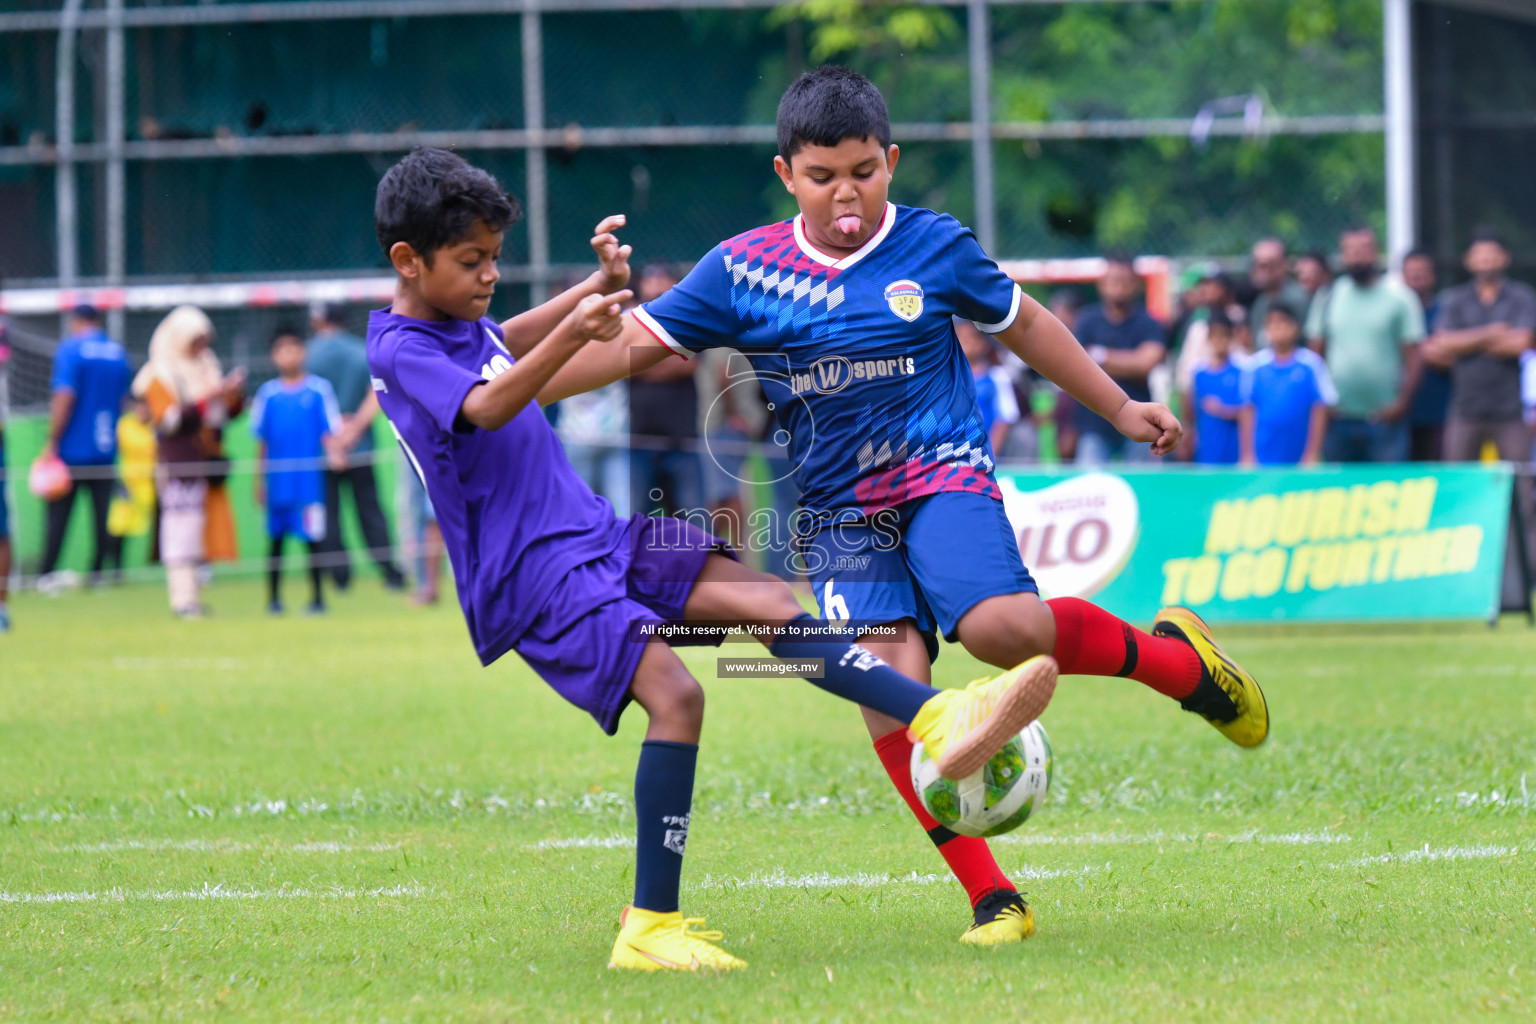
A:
x: 190, y: 400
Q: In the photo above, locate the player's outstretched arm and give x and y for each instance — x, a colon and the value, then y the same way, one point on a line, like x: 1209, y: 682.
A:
x: 525, y: 330
x: 492, y: 405
x: 1044, y: 342
x: 596, y: 366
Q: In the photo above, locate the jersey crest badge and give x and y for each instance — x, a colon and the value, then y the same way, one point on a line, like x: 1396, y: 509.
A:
x: 905, y: 299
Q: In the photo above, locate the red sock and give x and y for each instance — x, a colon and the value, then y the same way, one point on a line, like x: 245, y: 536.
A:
x: 1092, y: 642
x: 969, y: 858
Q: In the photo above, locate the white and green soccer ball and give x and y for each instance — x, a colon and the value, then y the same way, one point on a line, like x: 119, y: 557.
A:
x: 998, y: 798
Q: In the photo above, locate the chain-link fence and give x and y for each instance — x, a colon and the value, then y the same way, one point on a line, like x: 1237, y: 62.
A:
x: 251, y: 147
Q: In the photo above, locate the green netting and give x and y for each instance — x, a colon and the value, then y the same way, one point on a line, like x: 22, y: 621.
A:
x: 1477, y: 131
x: 653, y: 67
x: 302, y: 78
x: 269, y: 215
x: 26, y: 87
x: 26, y: 227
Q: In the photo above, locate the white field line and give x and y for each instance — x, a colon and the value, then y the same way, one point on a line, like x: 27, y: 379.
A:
x: 1424, y: 853
x: 866, y: 880
x: 215, y: 892
x: 615, y: 842
x: 223, y: 846
x: 585, y: 843
x: 1146, y: 838
x: 772, y: 880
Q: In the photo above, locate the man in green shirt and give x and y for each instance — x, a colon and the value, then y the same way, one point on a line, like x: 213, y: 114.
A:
x: 1368, y: 329
x: 342, y: 359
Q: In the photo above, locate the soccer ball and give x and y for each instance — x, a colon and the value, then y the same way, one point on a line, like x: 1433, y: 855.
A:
x: 48, y: 478
x: 998, y: 798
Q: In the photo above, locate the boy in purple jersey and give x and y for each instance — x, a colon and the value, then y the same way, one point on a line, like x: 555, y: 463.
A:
x: 845, y: 311
x: 544, y: 567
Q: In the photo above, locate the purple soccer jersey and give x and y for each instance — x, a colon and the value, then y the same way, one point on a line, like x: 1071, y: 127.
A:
x: 516, y: 518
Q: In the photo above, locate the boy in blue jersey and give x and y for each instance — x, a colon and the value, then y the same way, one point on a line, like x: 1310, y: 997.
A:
x: 545, y: 568
x: 294, y: 419
x: 1286, y: 394
x: 845, y: 311
x: 1216, y: 397
x: 90, y: 379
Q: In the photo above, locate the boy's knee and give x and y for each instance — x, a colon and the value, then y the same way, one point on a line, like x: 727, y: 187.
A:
x: 1008, y: 635
x: 679, y: 701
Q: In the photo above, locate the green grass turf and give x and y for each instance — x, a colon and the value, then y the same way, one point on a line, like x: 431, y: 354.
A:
x: 286, y: 772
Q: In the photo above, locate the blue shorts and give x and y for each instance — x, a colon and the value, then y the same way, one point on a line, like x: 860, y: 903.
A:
x: 586, y: 641
x: 930, y: 560
x: 307, y: 522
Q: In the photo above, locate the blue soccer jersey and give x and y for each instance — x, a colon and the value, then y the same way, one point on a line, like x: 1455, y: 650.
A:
x: 1283, y: 392
x: 858, y: 355
x: 93, y: 368
x: 293, y: 420
x: 1216, y: 436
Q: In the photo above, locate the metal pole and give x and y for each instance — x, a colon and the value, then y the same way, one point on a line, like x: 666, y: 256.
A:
x: 979, y: 33
x: 116, y: 207
x: 66, y: 203
x: 1397, y: 61
x: 537, y: 185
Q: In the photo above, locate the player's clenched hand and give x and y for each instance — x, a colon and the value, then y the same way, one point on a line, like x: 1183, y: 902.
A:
x: 599, y: 317
x: 1148, y: 421
x: 613, y: 256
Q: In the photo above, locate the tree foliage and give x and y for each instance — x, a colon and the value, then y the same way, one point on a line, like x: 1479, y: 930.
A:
x: 1136, y: 60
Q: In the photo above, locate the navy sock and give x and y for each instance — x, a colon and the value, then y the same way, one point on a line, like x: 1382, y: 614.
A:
x: 663, y: 799
x: 854, y: 674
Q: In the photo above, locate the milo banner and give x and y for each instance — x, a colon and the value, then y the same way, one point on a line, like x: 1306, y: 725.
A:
x: 1336, y: 543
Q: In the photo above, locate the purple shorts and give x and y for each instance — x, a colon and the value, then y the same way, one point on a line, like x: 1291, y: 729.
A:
x: 583, y: 642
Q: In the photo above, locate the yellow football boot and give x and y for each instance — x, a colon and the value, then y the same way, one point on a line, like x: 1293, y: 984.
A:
x: 962, y: 729
x: 1227, y: 696
x: 649, y: 941
x: 1001, y: 916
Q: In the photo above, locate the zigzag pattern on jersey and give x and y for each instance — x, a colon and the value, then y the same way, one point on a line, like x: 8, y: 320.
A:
x: 773, y: 282
x: 916, y: 466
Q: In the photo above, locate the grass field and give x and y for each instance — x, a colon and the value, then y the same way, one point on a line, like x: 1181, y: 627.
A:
x: 348, y: 819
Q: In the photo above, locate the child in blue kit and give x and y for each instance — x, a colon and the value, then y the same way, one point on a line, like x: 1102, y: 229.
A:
x: 1217, y: 397
x: 1287, y: 393
x: 293, y: 419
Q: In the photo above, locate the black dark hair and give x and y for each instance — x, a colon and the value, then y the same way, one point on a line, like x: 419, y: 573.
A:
x: 1358, y: 228
x: 86, y: 313
x: 333, y: 313
x: 1317, y: 256
x: 1216, y: 316
x: 283, y: 331
x: 1418, y: 254
x: 828, y: 104
x: 1487, y: 233
x: 1120, y: 258
x: 1284, y: 309
x: 433, y: 198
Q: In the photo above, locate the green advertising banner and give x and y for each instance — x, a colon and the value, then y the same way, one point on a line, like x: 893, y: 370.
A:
x: 1317, y: 544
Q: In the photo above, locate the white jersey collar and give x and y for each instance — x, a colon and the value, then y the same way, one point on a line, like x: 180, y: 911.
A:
x: 887, y: 221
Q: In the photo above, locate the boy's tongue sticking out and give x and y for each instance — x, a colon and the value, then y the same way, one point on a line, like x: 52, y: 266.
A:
x: 849, y: 223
